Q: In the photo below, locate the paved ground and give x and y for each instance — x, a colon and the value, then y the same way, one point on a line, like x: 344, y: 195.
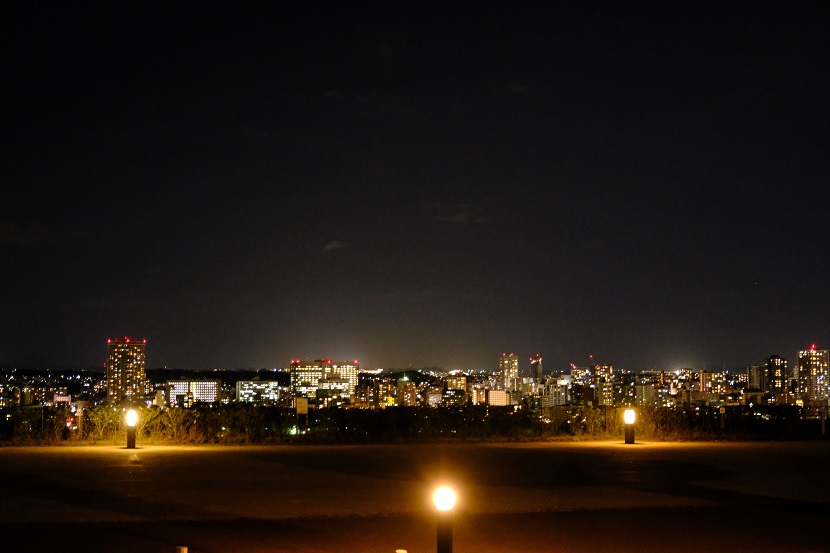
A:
x: 569, y: 497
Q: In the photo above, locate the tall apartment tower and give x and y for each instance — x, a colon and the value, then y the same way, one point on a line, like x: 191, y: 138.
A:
x: 603, y: 381
x: 536, y: 368
x: 705, y: 381
x: 509, y: 368
x: 755, y: 377
x: 776, y: 375
x: 813, y: 374
x: 126, y: 358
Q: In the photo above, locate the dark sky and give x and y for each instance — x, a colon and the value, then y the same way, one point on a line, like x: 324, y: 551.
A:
x: 415, y: 185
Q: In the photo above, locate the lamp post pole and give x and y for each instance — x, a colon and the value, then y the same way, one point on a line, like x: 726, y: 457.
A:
x: 444, y: 532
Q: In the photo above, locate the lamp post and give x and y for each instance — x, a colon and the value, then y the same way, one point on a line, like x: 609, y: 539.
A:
x: 628, y: 418
x: 132, y: 418
x: 444, y: 499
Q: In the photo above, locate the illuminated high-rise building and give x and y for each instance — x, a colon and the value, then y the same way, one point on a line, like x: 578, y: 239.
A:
x: 125, y: 370
x: 185, y: 392
x: 555, y: 392
x: 347, y: 370
x: 536, y: 368
x: 755, y: 377
x: 580, y: 375
x: 456, y: 382
x: 603, y: 373
x: 407, y: 393
x: 813, y: 375
x: 386, y: 392
x: 705, y: 381
x: 497, y: 397
x: 603, y: 381
x: 509, y: 368
x: 333, y: 391
x: 306, y: 375
x: 776, y: 375
x: 262, y: 391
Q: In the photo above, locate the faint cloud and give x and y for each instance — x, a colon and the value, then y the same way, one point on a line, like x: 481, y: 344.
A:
x: 12, y: 232
x: 335, y: 245
x: 424, y: 294
x: 475, y: 297
x: 462, y: 214
x: 122, y: 303
x: 401, y: 297
x: 432, y: 294
x: 369, y: 103
x: 516, y: 88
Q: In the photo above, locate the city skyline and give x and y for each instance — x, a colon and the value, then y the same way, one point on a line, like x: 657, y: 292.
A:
x: 245, y: 185
x: 329, y: 383
x: 498, y: 362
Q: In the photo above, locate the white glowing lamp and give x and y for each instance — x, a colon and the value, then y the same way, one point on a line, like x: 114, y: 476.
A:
x: 629, y: 416
x: 444, y: 498
x: 132, y: 417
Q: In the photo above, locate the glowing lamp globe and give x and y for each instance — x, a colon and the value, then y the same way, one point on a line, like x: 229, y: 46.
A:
x: 628, y: 416
x: 444, y: 498
x: 132, y: 417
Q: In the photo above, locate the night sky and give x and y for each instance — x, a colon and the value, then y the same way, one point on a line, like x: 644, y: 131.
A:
x: 401, y: 184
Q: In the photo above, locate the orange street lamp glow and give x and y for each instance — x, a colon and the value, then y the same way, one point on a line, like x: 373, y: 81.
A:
x: 444, y: 498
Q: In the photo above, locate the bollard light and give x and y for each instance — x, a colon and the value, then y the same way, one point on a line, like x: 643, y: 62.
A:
x: 444, y: 498
x: 132, y: 419
x: 628, y: 417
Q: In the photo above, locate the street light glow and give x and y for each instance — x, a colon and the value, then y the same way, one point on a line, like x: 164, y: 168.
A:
x: 628, y: 416
x: 132, y: 417
x: 444, y: 498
